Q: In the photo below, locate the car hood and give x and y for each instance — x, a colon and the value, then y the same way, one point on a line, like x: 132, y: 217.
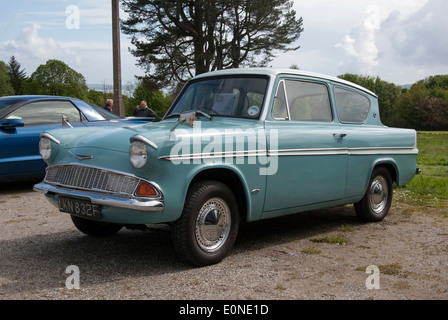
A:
x: 164, y: 135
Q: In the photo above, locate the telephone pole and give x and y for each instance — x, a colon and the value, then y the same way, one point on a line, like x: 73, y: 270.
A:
x: 118, y: 107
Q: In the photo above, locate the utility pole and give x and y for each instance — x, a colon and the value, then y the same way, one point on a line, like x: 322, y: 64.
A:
x: 118, y: 107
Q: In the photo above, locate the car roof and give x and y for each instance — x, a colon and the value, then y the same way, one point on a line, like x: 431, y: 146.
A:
x: 277, y: 71
x: 35, y: 97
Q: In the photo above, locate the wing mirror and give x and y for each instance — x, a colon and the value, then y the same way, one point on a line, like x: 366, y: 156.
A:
x: 9, y: 124
x: 65, y: 121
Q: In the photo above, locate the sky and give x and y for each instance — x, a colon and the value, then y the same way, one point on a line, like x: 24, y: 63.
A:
x: 400, y: 41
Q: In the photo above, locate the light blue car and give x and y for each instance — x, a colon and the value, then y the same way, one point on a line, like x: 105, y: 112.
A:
x: 236, y: 145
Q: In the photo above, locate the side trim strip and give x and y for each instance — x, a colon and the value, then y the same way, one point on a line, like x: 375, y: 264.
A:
x: 294, y: 152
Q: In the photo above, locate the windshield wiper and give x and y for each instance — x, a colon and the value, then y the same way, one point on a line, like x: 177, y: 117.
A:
x: 197, y: 112
x: 203, y: 114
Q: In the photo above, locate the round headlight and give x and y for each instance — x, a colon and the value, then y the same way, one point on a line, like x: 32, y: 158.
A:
x: 45, y: 148
x: 138, y: 154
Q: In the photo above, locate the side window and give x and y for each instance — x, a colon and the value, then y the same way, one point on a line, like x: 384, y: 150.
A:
x: 46, y: 113
x: 280, y: 108
x: 308, y: 101
x: 351, y: 106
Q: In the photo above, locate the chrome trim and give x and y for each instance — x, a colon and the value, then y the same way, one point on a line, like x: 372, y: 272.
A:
x: 142, y: 204
x: 294, y: 152
x: 97, y: 180
x: 49, y: 136
x: 144, y: 140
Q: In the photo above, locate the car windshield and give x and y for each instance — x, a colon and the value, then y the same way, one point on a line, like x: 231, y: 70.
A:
x: 231, y: 96
x: 106, y: 115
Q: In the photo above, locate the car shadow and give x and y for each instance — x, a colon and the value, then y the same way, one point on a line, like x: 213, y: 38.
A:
x: 39, y: 262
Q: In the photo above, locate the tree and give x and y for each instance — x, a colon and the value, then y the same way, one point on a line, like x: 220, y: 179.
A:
x: 5, y: 82
x: 17, y: 76
x: 175, y: 40
x: 57, y: 79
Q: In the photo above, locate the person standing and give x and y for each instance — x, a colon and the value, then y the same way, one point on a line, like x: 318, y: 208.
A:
x: 109, y: 104
x: 144, y: 111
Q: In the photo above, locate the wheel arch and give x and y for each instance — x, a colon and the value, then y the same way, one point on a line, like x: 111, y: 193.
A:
x: 390, y: 166
x: 230, y: 178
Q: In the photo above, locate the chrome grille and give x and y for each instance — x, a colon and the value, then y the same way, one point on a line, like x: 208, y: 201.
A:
x: 88, y: 178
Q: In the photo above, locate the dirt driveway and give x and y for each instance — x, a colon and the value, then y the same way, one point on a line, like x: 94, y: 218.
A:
x: 319, y: 255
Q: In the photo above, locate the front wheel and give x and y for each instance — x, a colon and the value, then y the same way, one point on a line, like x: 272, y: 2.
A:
x: 208, y: 226
x: 376, y: 202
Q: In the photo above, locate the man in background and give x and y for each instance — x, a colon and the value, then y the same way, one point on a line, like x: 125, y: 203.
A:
x: 144, y: 111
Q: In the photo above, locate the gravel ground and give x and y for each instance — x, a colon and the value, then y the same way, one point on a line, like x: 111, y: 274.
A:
x: 279, y: 259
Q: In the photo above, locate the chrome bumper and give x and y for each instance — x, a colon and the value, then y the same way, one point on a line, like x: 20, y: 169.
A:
x: 142, y: 204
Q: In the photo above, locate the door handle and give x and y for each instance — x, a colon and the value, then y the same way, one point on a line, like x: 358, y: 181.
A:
x: 339, y: 135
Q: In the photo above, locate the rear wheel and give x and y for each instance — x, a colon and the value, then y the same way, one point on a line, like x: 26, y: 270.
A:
x: 95, y: 228
x: 375, y: 204
x: 208, y: 227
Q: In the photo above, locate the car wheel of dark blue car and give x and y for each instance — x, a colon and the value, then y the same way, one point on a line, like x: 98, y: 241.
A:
x: 94, y: 228
x: 376, y: 202
x: 208, y: 227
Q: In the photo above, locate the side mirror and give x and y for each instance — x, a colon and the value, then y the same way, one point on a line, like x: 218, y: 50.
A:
x: 65, y: 121
x: 9, y: 124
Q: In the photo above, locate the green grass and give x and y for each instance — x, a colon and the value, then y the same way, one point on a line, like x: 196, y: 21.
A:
x: 430, y: 187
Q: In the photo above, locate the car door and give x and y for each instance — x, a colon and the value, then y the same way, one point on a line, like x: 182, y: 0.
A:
x: 19, y: 153
x: 311, y: 150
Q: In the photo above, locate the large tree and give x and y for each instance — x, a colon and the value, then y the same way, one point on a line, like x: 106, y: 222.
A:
x: 16, y: 74
x: 58, y: 79
x: 5, y: 81
x: 175, y: 40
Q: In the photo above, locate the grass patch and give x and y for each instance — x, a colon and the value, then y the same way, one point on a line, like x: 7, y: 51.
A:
x: 346, y: 228
x: 430, y: 187
x: 337, y: 239
x: 311, y: 250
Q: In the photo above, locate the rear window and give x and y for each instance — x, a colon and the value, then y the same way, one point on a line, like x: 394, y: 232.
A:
x: 352, y: 107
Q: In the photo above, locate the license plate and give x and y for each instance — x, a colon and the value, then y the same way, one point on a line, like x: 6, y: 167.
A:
x: 80, y: 208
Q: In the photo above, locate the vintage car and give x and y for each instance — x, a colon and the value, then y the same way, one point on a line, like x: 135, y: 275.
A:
x: 236, y: 145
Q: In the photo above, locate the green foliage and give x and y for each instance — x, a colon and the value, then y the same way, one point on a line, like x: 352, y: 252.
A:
x: 57, y: 79
x: 16, y: 75
x: 430, y: 187
x: 95, y: 97
x: 5, y: 82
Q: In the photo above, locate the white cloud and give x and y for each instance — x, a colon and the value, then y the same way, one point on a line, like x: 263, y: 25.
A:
x: 30, y: 45
x: 419, y: 38
x: 360, y: 45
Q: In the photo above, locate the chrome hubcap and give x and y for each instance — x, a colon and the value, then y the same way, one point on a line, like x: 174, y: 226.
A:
x: 379, y: 194
x: 213, y: 224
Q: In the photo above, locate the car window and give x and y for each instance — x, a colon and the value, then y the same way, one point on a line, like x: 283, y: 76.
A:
x: 46, y: 113
x: 231, y: 96
x: 280, y: 108
x: 308, y: 101
x: 352, y: 107
x: 302, y: 101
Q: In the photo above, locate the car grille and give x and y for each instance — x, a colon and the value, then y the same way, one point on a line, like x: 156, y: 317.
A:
x: 94, y: 179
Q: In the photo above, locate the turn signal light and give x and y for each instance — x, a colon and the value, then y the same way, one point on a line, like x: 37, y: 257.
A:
x: 145, y: 190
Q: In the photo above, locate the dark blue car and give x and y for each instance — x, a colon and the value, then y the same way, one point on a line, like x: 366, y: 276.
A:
x: 23, y: 118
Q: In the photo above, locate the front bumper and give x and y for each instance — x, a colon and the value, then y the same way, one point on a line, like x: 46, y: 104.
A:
x: 141, y: 204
